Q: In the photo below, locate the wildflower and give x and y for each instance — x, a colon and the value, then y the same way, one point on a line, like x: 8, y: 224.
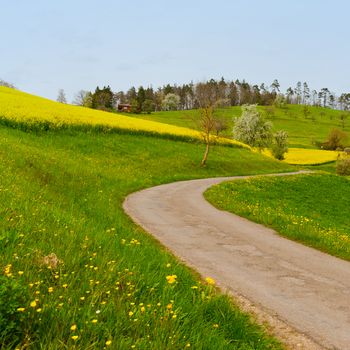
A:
x: 94, y: 321
x: 73, y: 327
x: 169, y: 306
x: 108, y: 342
x: 33, y: 303
x: 65, y: 285
x: 38, y: 310
x: 20, y: 273
x: 171, y: 279
x: 210, y: 280
x: 130, y: 313
x: 215, y: 325
x: 50, y: 290
x: 168, y: 265
x: 143, y: 309
x: 21, y: 309
x: 74, y: 337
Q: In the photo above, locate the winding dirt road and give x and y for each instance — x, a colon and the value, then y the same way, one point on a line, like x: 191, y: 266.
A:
x: 303, y: 293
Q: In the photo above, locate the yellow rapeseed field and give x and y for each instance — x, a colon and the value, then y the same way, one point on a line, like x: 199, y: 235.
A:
x: 303, y: 156
x: 19, y: 106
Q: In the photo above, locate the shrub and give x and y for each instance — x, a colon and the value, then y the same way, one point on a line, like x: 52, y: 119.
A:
x: 12, y: 297
x: 343, y: 167
x: 279, y: 144
x: 335, y: 140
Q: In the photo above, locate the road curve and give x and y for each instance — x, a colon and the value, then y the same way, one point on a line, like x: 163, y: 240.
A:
x: 304, y: 288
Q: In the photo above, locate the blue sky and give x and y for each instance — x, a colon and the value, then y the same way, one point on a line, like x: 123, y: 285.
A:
x: 76, y: 44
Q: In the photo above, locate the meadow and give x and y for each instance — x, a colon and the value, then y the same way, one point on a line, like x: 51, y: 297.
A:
x: 78, y: 274
x: 303, y: 130
x: 312, y: 209
x: 31, y: 113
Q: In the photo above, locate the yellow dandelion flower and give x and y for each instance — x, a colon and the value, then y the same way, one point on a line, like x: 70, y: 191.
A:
x: 130, y: 313
x: 215, y: 325
x: 169, y: 306
x: 65, y: 285
x: 74, y: 337
x: 73, y: 327
x: 50, y: 289
x: 143, y: 309
x: 21, y: 309
x: 20, y: 273
x: 108, y: 342
x: 38, y: 310
x: 210, y: 280
x: 94, y: 320
x: 33, y: 303
x: 171, y: 279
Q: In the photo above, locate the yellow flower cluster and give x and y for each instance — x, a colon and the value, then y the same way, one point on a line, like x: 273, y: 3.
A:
x: 303, y: 156
x: 19, y: 106
x: 171, y: 279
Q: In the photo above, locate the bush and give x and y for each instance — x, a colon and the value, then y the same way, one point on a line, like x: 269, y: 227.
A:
x: 343, y: 167
x: 335, y: 140
x: 12, y: 297
x: 279, y: 144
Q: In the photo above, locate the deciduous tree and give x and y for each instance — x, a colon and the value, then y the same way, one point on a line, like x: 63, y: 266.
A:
x: 252, y: 129
x: 61, y: 97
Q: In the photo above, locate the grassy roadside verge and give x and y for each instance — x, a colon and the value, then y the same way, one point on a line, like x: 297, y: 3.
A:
x: 83, y: 275
x: 312, y: 209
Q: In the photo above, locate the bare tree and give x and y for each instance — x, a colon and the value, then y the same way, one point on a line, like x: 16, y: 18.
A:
x: 220, y: 124
x: 61, y: 96
x: 206, y: 100
x: 80, y: 98
x: 6, y: 84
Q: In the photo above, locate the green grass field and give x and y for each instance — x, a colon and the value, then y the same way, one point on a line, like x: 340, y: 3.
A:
x: 303, y: 131
x: 312, y: 209
x: 61, y: 193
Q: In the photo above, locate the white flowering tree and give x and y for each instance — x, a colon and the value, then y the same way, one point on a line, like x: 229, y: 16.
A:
x: 171, y: 102
x: 252, y: 129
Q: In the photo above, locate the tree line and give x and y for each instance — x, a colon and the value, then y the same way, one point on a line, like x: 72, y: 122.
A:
x: 225, y: 92
x: 185, y: 96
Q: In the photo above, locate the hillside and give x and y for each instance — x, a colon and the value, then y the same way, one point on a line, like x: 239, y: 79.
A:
x: 76, y: 272
x: 30, y: 112
x: 303, y: 131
